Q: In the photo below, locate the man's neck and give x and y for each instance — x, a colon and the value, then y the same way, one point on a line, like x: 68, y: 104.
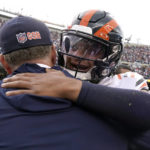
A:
x: 41, y: 62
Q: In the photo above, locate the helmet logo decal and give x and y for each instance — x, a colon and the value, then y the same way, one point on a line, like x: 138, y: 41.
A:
x: 104, y: 30
x: 86, y: 18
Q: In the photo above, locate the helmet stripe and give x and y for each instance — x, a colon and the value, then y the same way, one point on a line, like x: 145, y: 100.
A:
x: 104, y: 30
x: 86, y: 18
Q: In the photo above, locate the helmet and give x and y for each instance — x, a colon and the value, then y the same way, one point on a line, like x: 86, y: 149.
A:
x: 91, y: 47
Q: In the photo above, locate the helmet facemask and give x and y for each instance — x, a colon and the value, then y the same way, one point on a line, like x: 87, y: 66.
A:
x: 87, y: 57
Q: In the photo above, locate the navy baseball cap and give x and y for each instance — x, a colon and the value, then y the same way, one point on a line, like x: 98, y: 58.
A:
x: 23, y: 32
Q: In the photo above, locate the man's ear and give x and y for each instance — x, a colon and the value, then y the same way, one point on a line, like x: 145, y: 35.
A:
x: 53, y: 55
x: 5, y: 64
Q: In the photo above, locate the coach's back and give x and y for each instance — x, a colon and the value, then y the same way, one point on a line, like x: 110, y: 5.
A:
x: 29, y: 122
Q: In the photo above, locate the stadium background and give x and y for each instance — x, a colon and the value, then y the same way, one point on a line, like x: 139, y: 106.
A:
x: 134, y: 54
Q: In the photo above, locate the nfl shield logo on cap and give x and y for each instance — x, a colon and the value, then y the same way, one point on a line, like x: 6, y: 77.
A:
x: 21, y: 37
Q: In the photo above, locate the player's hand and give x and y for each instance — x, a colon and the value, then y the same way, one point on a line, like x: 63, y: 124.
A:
x: 53, y: 83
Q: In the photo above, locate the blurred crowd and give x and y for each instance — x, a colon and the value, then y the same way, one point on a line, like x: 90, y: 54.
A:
x: 135, y: 53
x: 56, y: 38
x: 138, y: 57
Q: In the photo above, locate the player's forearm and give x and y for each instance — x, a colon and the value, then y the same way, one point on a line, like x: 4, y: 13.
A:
x: 127, y: 106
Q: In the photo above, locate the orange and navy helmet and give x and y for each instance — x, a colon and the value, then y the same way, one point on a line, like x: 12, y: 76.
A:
x: 96, y: 33
x: 101, y: 23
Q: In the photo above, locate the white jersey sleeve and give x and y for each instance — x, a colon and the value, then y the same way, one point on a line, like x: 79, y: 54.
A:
x: 128, y: 80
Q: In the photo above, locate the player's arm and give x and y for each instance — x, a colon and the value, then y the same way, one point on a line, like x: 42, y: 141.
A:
x: 127, y: 106
x: 130, y: 107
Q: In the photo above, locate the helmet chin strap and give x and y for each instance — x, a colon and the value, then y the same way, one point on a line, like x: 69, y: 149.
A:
x: 91, y: 75
x: 80, y: 75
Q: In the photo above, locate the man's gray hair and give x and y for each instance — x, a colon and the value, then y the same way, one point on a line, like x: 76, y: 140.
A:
x: 21, y: 56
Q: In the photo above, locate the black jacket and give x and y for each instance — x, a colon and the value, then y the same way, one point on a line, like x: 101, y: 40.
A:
x: 29, y: 122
